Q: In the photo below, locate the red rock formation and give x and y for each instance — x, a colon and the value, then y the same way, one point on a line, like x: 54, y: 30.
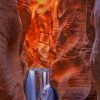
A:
x: 59, y: 37
x: 41, y: 37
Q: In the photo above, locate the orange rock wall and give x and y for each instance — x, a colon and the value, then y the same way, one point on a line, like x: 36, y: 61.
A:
x: 59, y: 38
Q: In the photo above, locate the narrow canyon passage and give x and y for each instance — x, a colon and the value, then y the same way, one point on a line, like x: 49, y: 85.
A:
x: 57, y: 39
x: 47, y: 42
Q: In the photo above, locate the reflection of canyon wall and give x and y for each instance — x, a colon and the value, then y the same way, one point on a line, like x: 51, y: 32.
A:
x: 58, y: 37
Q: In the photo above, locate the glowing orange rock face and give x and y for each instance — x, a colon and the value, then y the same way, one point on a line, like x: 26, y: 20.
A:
x: 41, y: 37
x: 56, y: 38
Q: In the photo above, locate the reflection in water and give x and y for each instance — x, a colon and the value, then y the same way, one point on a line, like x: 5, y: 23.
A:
x: 37, y: 85
x: 30, y: 88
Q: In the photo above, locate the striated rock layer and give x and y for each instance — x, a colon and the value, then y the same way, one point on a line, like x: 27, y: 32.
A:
x: 59, y: 38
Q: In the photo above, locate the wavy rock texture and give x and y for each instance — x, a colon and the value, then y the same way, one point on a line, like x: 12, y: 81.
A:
x: 11, y: 76
x: 59, y: 38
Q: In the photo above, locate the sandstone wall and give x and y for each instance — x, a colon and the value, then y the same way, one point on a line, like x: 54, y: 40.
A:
x: 60, y: 37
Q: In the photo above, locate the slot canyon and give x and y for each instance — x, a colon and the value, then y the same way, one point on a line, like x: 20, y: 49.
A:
x: 58, y: 38
x: 59, y: 35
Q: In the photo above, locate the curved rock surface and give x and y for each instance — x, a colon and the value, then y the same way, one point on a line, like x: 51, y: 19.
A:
x: 60, y: 37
